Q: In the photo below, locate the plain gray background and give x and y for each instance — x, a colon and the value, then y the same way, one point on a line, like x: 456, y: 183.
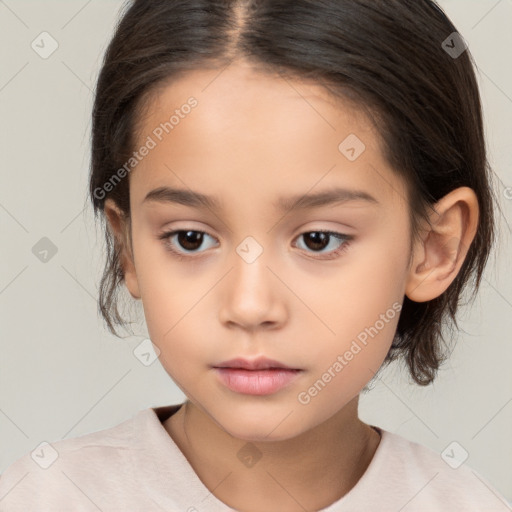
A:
x: 62, y: 375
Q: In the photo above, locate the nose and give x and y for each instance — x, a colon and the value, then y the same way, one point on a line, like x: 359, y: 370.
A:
x: 252, y: 296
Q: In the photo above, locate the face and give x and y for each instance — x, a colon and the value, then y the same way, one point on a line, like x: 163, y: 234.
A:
x: 252, y: 275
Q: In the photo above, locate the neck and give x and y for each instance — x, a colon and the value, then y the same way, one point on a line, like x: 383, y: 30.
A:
x: 309, y: 471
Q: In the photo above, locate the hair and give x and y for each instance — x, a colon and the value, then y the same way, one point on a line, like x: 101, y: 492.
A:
x: 386, y: 56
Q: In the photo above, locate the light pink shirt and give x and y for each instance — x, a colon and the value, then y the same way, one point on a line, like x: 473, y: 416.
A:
x: 136, y: 466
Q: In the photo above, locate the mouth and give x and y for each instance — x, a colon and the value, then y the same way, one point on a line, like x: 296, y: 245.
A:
x: 257, y: 377
x: 261, y: 363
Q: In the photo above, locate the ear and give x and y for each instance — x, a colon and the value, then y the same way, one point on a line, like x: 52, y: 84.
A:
x: 119, y: 225
x: 439, y: 255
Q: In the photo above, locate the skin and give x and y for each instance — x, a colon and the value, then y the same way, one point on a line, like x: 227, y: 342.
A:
x: 253, y: 138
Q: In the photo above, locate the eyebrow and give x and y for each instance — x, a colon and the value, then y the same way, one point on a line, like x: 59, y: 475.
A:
x: 290, y: 203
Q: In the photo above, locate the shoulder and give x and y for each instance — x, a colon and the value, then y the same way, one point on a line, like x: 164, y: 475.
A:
x: 425, y: 480
x: 77, y: 469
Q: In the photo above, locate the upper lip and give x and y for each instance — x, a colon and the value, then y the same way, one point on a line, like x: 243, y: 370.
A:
x: 261, y: 363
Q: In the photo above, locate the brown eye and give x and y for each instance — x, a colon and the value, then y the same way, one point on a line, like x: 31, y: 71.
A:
x: 318, y: 241
x: 189, y: 240
x: 184, y: 241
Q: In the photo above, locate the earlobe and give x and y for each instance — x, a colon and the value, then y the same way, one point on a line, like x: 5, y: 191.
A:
x: 441, y: 251
x: 120, y: 228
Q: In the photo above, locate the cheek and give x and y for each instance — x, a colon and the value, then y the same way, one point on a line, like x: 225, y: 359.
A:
x: 358, y: 309
x: 368, y: 280
x: 163, y: 290
x: 175, y: 307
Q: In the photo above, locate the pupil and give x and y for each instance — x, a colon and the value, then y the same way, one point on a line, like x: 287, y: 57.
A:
x: 320, y: 240
x: 188, y: 238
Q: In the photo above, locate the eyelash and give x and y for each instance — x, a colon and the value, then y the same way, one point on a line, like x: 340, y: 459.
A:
x: 181, y: 256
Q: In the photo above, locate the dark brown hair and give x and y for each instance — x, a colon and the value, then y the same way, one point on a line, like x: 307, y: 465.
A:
x: 386, y: 55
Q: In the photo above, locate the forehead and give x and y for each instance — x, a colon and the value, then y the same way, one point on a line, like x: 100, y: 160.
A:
x: 267, y: 134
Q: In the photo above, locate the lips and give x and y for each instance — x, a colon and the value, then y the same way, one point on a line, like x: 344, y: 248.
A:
x: 261, y: 363
x: 260, y: 376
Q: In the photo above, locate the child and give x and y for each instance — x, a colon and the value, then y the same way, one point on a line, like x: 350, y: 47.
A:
x: 298, y: 193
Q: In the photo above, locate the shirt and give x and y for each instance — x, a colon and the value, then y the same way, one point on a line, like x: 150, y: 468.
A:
x: 137, y: 466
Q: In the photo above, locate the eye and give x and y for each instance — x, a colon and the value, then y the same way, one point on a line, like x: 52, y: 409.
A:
x: 185, y: 242
x: 320, y: 240
x: 188, y: 239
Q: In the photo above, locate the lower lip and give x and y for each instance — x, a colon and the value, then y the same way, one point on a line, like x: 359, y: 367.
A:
x: 256, y: 382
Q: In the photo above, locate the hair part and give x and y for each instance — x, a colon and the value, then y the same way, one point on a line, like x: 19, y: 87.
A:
x: 424, y: 103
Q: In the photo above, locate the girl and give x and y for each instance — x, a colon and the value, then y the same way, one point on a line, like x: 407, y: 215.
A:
x: 298, y: 193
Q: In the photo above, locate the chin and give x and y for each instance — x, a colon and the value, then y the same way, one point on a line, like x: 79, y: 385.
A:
x: 261, y: 431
